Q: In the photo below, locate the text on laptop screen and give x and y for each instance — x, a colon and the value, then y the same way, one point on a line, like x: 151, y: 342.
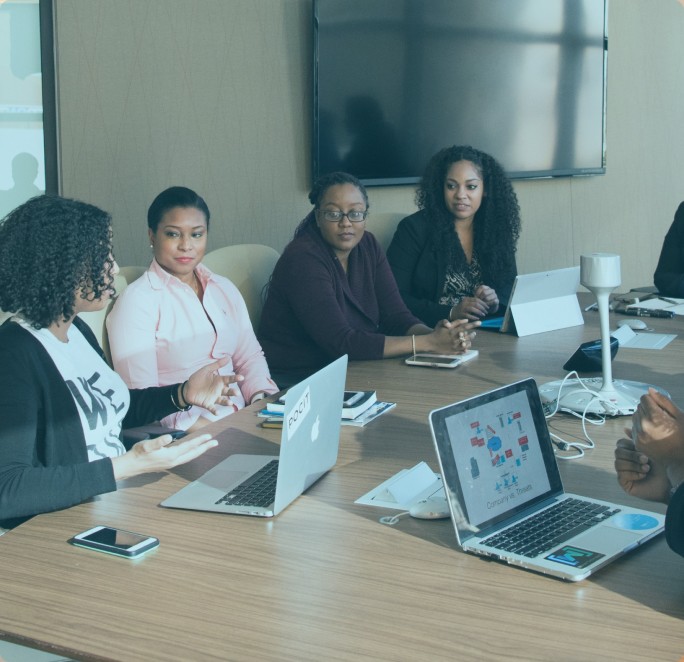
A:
x: 498, y: 457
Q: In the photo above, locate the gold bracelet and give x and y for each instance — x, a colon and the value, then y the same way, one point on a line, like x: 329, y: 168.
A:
x: 413, y: 344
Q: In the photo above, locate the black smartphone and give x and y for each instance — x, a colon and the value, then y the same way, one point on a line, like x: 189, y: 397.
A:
x: 115, y: 541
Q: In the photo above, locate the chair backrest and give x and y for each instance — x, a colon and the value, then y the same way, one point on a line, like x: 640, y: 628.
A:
x: 131, y: 273
x: 249, y: 267
x: 96, y: 319
x: 383, y: 225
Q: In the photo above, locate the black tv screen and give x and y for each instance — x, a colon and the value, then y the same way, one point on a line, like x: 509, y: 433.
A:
x: 397, y: 80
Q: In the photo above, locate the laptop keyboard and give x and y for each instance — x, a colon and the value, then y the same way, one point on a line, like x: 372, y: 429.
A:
x: 258, y: 490
x: 550, y: 528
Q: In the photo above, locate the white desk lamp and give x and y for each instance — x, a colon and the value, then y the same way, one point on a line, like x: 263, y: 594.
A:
x: 599, y: 273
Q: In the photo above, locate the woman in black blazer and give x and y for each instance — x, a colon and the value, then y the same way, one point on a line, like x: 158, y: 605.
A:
x: 455, y: 258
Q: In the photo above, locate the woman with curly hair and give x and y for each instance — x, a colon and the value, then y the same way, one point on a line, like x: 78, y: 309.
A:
x: 333, y: 293
x: 62, y: 408
x: 455, y: 258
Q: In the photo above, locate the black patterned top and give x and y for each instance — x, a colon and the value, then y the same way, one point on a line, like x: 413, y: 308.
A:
x: 459, y: 284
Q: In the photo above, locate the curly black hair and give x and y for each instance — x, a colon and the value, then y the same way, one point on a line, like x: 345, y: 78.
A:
x: 497, y: 222
x: 50, y: 248
x: 321, y: 185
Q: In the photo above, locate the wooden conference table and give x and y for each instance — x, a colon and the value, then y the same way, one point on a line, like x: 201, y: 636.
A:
x: 325, y: 580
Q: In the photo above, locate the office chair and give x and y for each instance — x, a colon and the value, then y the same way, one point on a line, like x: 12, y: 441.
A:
x: 96, y: 319
x: 249, y: 267
x: 129, y: 274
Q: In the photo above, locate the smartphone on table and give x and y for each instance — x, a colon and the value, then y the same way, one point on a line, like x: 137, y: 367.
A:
x: 115, y: 541
x: 441, y: 360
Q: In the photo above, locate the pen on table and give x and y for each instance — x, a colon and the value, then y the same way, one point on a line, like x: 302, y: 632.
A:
x: 647, y: 312
x: 672, y: 301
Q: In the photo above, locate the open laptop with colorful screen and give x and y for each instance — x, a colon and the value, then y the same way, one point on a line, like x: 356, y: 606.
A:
x: 505, y: 493
x: 264, y: 485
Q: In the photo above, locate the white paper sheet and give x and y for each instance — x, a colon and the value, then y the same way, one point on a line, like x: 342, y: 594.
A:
x: 629, y: 339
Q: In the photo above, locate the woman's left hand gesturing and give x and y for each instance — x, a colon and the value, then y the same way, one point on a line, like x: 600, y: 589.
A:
x: 206, y: 388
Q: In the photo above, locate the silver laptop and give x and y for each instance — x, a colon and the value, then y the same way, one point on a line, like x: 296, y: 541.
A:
x: 264, y: 485
x: 543, y: 301
x: 505, y: 493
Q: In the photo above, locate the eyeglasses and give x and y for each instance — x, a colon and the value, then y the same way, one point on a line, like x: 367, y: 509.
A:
x: 354, y: 216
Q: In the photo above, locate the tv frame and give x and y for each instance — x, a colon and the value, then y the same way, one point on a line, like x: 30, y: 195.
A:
x: 513, y: 174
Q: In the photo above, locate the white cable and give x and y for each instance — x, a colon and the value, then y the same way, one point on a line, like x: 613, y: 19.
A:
x: 391, y: 520
x: 578, y: 446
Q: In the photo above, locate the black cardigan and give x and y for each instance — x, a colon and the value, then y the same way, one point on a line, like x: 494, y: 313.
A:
x: 43, y: 458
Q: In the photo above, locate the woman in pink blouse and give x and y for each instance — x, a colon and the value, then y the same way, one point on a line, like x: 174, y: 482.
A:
x: 179, y: 316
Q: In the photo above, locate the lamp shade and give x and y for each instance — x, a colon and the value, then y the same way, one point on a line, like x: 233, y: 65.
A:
x: 600, y: 270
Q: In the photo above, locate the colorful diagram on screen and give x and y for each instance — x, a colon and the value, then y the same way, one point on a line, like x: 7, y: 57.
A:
x: 498, y: 456
x: 506, y: 445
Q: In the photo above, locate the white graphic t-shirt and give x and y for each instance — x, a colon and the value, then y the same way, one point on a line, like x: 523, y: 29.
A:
x: 102, y: 399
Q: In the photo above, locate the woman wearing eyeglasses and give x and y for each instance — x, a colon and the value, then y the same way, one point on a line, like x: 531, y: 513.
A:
x: 179, y: 316
x: 332, y: 293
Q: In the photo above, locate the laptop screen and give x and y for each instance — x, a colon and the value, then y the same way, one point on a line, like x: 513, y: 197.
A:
x: 496, y: 455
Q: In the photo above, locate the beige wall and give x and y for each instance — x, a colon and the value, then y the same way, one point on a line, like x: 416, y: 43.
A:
x: 216, y: 95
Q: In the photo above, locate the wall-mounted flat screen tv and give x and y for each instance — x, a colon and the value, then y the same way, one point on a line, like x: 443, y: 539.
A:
x: 397, y: 80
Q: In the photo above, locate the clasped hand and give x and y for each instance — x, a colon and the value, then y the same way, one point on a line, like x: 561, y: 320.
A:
x: 658, y: 428
x: 484, y: 302
x: 651, y: 459
x: 455, y: 337
x: 637, y: 474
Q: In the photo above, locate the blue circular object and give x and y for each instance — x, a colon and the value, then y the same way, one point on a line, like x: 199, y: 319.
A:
x: 635, y: 522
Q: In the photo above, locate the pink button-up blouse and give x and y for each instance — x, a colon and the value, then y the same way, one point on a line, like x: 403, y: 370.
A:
x: 160, y: 333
